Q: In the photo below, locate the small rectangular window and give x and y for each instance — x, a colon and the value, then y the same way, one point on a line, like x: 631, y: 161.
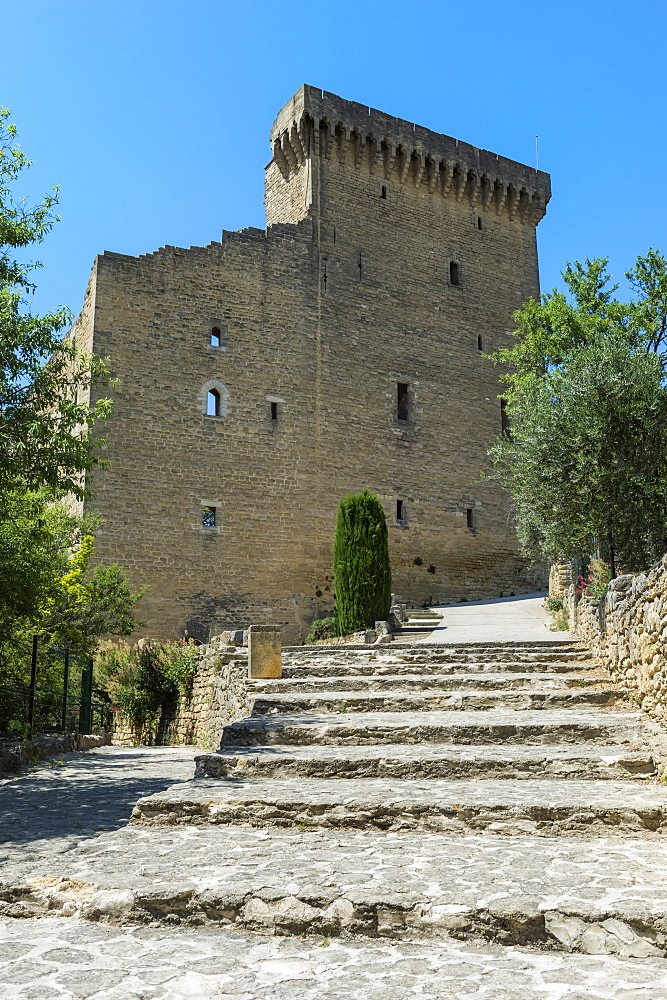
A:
x: 454, y: 276
x: 479, y: 342
x: 402, y: 401
x: 274, y: 411
x: 470, y: 523
x: 215, y: 336
x: 383, y: 192
x: 400, y: 513
x: 208, y: 517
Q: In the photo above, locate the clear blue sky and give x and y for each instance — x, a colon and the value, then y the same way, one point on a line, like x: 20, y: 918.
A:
x: 153, y: 115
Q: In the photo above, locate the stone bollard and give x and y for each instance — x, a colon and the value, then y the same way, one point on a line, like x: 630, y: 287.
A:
x: 264, y: 645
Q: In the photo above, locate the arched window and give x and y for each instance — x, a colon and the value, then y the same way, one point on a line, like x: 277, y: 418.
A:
x: 213, y: 399
x: 215, y: 336
x: 213, y: 403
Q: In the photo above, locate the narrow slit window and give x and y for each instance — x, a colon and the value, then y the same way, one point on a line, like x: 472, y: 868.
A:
x: 400, y: 512
x: 454, y: 276
x: 479, y: 222
x: 383, y: 192
x: 470, y: 522
x: 213, y: 403
x: 215, y: 336
x: 274, y: 411
x: 504, y: 419
x: 479, y: 342
x: 208, y: 518
x: 402, y: 401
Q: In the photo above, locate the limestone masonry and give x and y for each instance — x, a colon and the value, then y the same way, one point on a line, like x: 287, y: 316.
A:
x: 265, y: 376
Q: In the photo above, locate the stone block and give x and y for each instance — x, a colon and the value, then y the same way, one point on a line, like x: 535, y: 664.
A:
x: 264, y: 651
x: 235, y: 637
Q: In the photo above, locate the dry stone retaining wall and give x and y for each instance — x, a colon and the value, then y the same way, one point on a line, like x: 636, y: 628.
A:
x: 14, y: 756
x: 219, y: 696
x: 627, y: 629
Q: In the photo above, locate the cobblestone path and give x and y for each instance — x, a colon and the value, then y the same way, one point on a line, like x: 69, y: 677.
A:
x: 422, y: 821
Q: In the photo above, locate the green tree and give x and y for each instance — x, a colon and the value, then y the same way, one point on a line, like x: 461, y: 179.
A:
x: 53, y: 595
x: 46, y: 440
x: 45, y: 426
x: 46, y: 448
x: 84, y: 605
x: 586, y: 461
x: 362, y: 573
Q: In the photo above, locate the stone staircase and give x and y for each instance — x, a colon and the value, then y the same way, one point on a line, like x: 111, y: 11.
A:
x: 505, y: 793
x: 419, y: 621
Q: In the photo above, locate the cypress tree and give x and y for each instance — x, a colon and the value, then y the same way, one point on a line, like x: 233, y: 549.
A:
x: 362, y: 573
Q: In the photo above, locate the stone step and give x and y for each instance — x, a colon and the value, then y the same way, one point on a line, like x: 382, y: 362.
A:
x: 396, y: 654
x: 431, y: 761
x: 555, y: 894
x: 425, y: 682
x: 494, y: 726
x: 412, y: 630
x: 497, y: 655
x: 545, y: 644
x: 544, y: 808
x: 394, y: 667
x: 456, y: 701
x: 439, y: 651
x: 269, y: 964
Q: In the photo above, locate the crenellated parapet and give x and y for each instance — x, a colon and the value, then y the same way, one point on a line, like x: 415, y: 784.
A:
x: 315, y: 123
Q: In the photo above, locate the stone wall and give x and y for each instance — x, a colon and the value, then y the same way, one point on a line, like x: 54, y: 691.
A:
x: 15, y: 754
x: 218, y: 697
x: 627, y: 629
x: 347, y: 294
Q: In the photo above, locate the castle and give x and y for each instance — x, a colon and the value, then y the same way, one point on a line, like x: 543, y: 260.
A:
x: 265, y: 376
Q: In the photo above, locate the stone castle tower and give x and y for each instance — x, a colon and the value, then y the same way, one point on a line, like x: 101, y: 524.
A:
x: 265, y: 376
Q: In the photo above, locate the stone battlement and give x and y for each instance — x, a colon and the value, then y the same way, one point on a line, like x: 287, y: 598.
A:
x: 315, y: 123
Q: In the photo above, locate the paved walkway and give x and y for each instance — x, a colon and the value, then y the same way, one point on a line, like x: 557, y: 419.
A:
x: 60, y: 959
x: 505, y: 619
x: 377, y: 801
x: 62, y: 803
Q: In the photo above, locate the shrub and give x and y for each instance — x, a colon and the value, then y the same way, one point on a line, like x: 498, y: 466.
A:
x: 322, y: 628
x: 596, y: 582
x: 144, y: 683
x: 560, y: 620
x: 362, y: 573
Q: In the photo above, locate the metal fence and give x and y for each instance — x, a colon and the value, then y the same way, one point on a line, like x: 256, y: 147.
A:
x: 55, y: 697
